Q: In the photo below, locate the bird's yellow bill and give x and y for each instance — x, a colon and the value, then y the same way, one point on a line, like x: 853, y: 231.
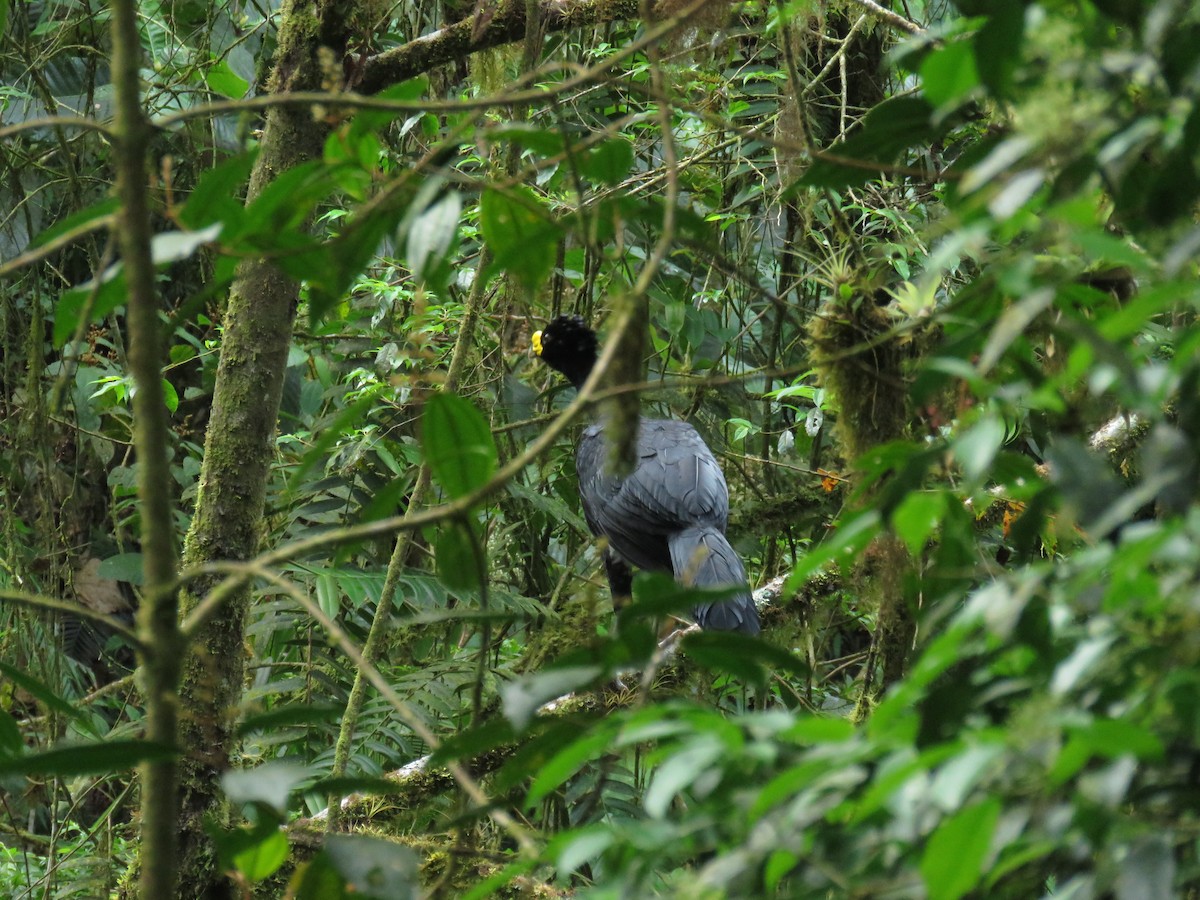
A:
x: 535, y: 343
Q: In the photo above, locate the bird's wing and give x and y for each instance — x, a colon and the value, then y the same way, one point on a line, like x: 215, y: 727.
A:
x: 676, y: 482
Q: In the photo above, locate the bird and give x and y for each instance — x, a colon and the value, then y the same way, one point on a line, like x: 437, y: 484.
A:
x: 669, y: 513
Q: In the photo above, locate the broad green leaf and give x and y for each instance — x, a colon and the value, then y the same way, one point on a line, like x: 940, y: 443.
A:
x: 608, y: 163
x: 87, y: 759
x: 430, y: 238
x: 374, y: 868
x: 473, y: 741
x: 541, y: 141
x: 977, y: 447
x: 218, y: 195
x: 269, y: 784
x: 917, y: 518
x: 948, y: 74
x: 821, y: 730
x: 331, y: 271
x: 998, y: 46
x: 221, y: 79
x: 263, y: 859
x: 564, y: 764
x: 122, y: 567
x: 405, y: 92
x: 749, y: 659
x: 170, y: 396
x: 680, y: 770
x: 458, y: 444
x: 109, y: 294
x: 96, y: 215
x: 842, y: 547
x: 10, y: 736
x: 287, y: 200
x: 457, y: 564
x: 355, y: 784
x: 288, y: 715
x: 522, y: 236
x: 952, y: 863
x: 581, y: 847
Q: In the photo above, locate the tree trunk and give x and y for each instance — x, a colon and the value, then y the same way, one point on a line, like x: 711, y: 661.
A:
x: 238, y: 445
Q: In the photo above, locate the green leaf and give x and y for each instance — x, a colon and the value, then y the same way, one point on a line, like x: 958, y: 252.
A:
x: 170, y: 396
x: 331, y: 270
x: 370, y: 120
x: 268, y: 784
x: 821, y: 730
x: 221, y: 79
x: 952, y: 863
x: 97, y: 214
x: 218, y: 194
x: 680, y: 770
x: 10, y: 736
x: 846, y: 543
x: 977, y: 447
x: 263, y: 859
x: 948, y: 75
x: 998, y: 46
x: 917, y: 517
x: 317, y: 879
x: 431, y: 236
x: 608, y: 163
x: 87, y: 759
x: 122, y: 567
x: 580, y: 847
x: 522, y: 237
x: 374, y: 868
x: 564, y: 764
x: 457, y: 443
x: 291, y: 714
x: 744, y: 657
x: 109, y: 295
x: 458, y: 567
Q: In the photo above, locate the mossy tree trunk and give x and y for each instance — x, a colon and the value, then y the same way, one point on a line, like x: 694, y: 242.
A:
x: 238, y: 446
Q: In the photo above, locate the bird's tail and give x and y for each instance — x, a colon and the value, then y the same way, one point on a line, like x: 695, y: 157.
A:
x: 701, y: 556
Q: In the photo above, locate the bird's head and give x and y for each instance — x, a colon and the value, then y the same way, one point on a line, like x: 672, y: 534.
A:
x: 569, y: 346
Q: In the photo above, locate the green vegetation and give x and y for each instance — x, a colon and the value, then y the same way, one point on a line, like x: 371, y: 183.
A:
x: 923, y: 277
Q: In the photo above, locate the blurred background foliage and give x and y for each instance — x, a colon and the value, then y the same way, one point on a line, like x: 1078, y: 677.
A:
x: 929, y: 293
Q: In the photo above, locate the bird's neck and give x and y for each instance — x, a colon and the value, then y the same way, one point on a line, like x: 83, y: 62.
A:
x: 577, y: 373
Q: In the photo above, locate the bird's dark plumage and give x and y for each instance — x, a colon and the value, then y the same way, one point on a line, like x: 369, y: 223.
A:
x: 669, y: 513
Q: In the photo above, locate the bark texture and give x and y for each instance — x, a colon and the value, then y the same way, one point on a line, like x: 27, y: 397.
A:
x: 238, y: 446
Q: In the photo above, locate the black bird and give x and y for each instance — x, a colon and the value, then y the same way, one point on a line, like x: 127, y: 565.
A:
x: 669, y: 513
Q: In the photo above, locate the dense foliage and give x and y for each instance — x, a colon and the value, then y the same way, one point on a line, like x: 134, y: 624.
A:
x: 926, y: 282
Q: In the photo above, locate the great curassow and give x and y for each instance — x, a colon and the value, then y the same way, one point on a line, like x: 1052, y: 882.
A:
x: 669, y: 513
